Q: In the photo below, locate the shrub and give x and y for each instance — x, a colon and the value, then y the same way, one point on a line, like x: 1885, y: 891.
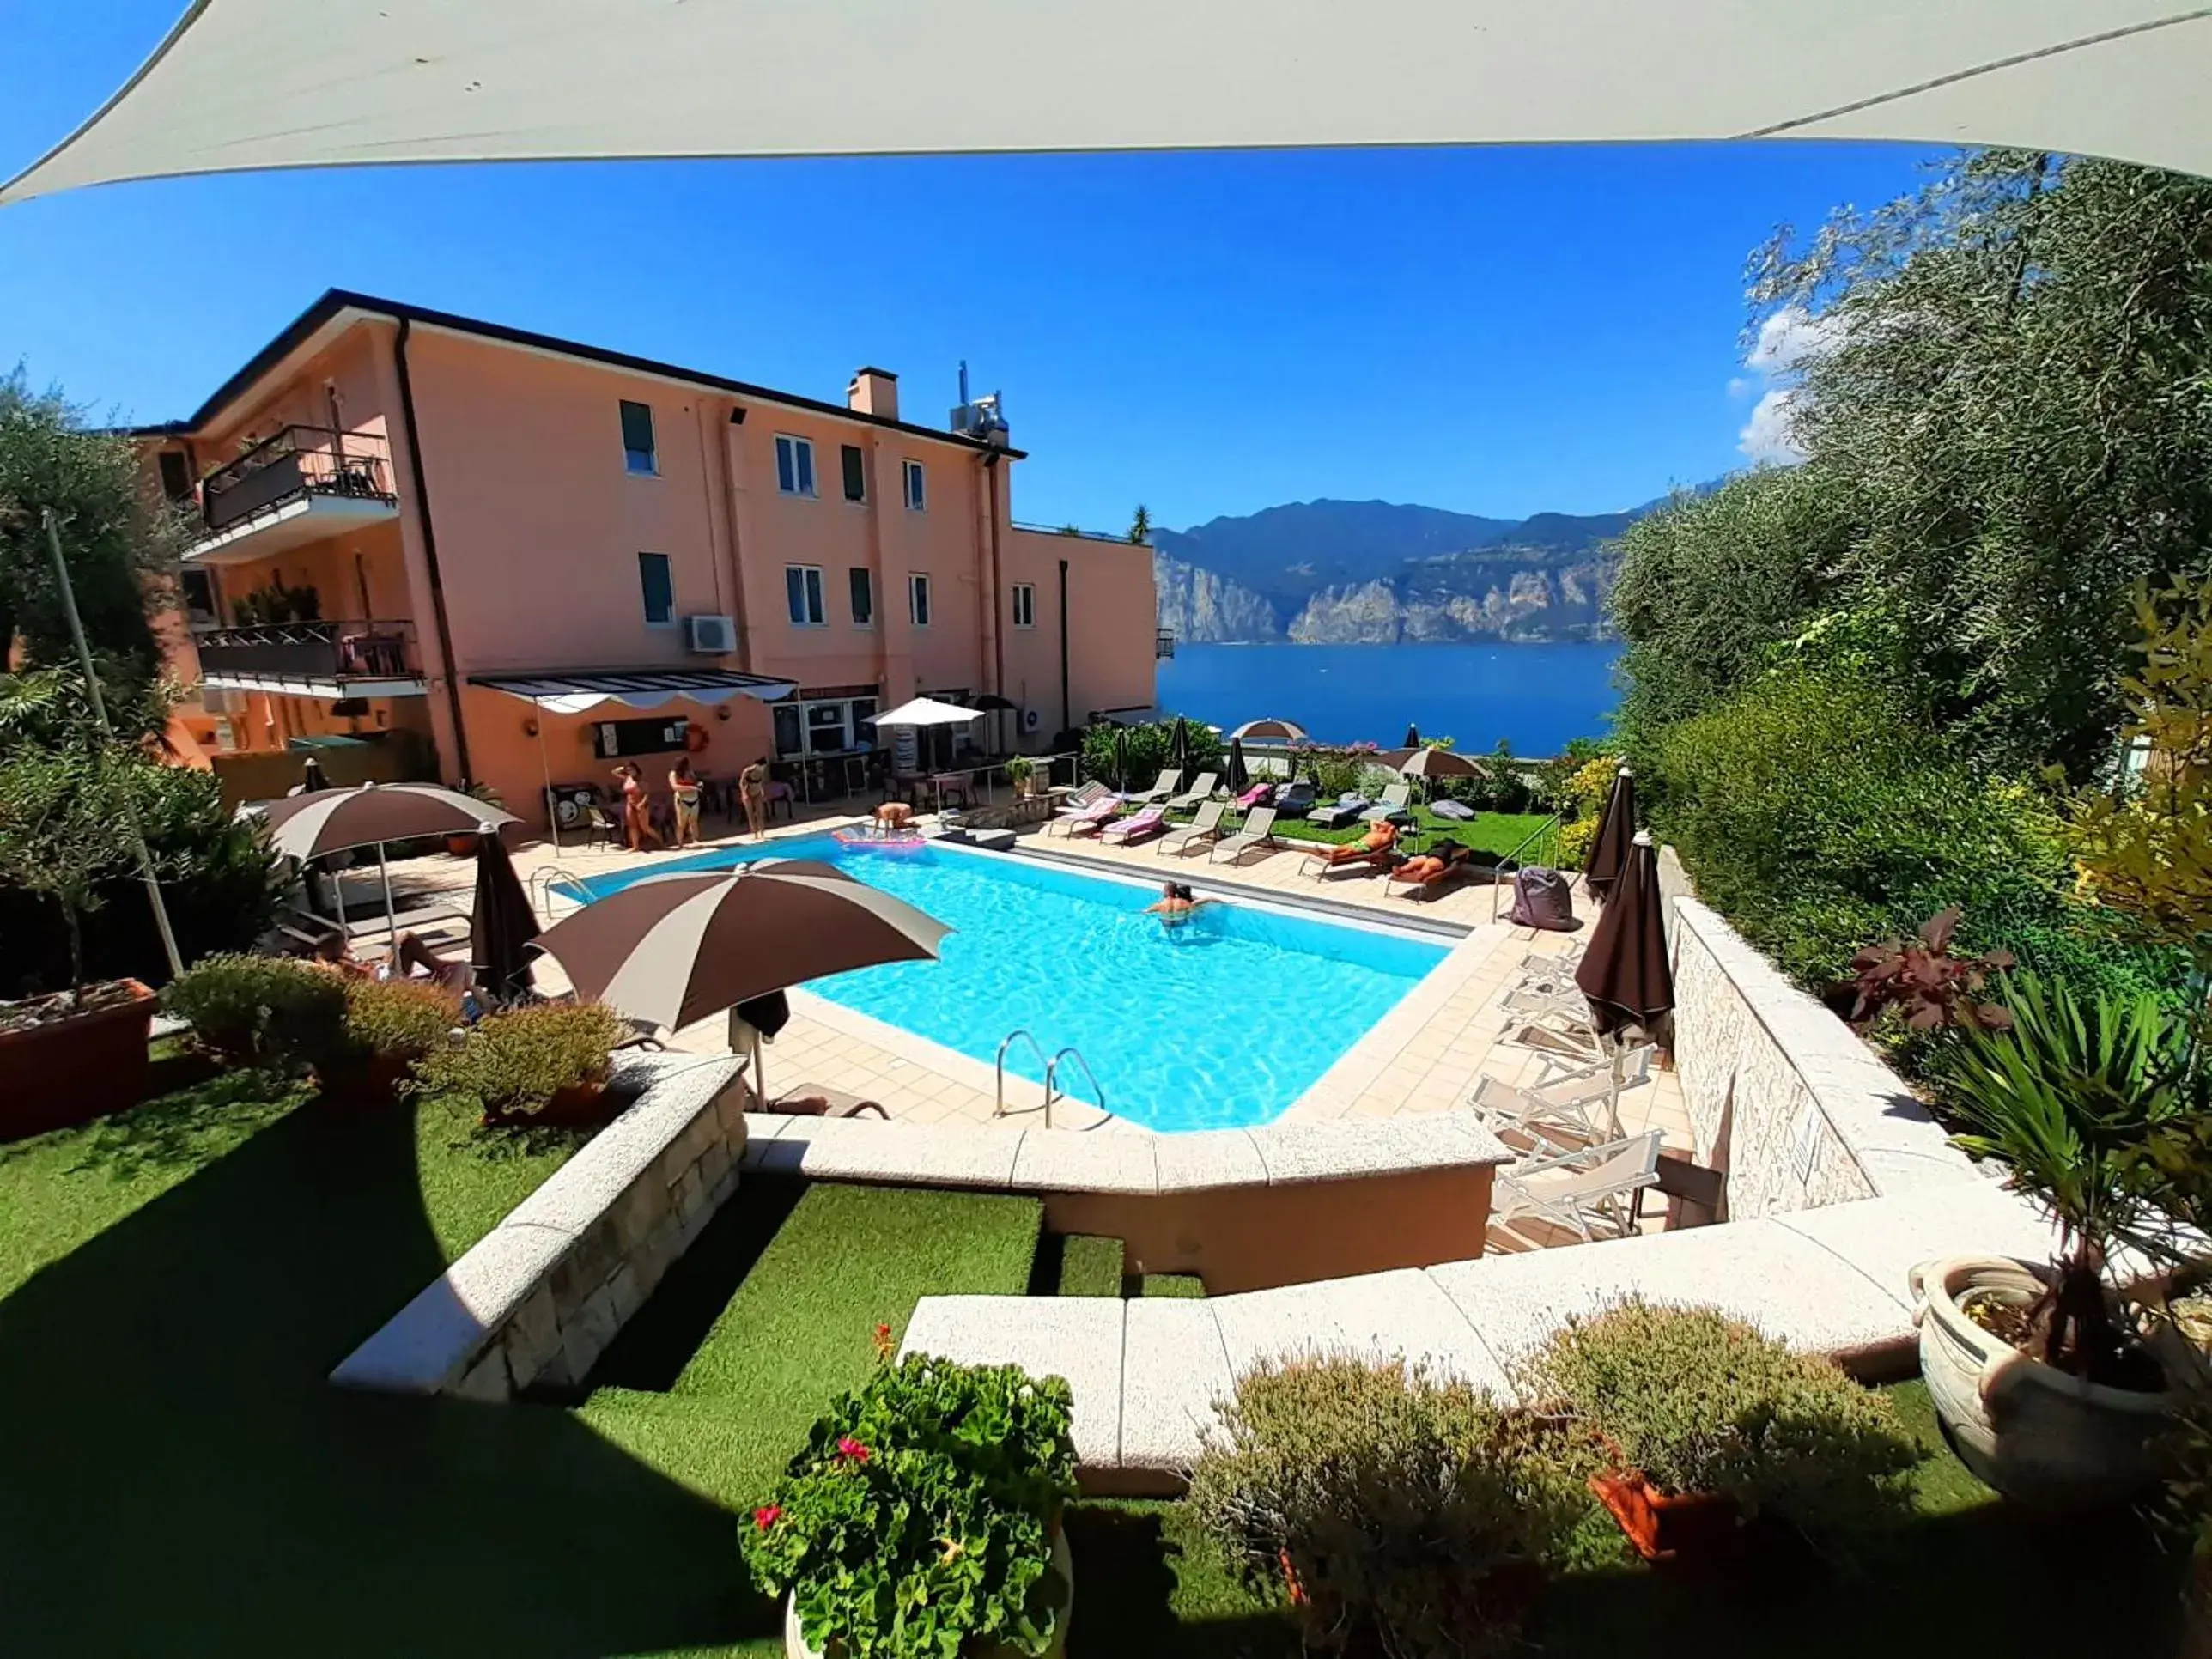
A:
x: 1148, y: 749
x: 1415, y: 1508
x: 397, y: 1017
x: 1699, y: 1402
x: 261, y: 1008
x: 921, y: 1514
x: 1575, y: 841
x: 511, y: 1064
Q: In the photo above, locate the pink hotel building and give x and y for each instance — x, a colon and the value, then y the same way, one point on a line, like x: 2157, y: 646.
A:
x: 533, y: 556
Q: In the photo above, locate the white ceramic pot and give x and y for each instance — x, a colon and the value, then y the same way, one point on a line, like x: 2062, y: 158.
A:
x: 795, y: 1643
x: 2032, y: 1432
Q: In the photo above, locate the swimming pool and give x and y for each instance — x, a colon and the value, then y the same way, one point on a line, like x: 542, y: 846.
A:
x: 1219, y: 1024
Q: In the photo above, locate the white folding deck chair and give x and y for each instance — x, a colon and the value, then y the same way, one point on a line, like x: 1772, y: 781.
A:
x: 1163, y: 786
x: 1259, y: 830
x: 1394, y: 797
x: 1581, y: 1100
x: 1586, y: 1192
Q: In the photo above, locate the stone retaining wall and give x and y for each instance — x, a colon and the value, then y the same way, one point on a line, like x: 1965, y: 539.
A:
x: 1780, y: 1093
x: 537, y: 1300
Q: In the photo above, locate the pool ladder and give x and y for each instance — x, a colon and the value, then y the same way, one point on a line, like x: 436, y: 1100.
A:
x: 1051, y: 1073
x: 546, y: 882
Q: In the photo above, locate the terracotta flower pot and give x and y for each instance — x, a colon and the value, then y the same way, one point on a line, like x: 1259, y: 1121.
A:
x: 1667, y: 1526
x: 79, y: 1067
x: 461, y: 846
x: 794, y: 1640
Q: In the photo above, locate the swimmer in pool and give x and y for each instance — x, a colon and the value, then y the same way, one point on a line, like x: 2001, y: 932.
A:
x: 1176, y: 904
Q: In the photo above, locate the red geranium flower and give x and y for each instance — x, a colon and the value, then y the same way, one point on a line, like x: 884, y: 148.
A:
x: 848, y: 1447
x: 767, y: 1515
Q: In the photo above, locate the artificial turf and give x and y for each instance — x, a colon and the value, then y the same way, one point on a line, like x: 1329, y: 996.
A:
x: 1090, y: 1265
x: 180, y: 1478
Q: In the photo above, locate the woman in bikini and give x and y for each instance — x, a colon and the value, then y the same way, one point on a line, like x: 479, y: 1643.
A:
x: 752, y: 788
x: 683, y: 787
x: 637, y: 820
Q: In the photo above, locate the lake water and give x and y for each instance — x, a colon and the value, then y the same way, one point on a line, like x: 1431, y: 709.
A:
x: 1533, y: 697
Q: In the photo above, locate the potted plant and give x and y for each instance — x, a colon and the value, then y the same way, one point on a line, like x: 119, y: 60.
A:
x: 2051, y: 1388
x: 1710, y: 1422
x: 1021, y: 772
x: 389, y: 1025
x: 923, y: 1516
x: 465, y: 846
x: 65, y: 832
x: 1400, y: 1514
x: 547, y: 1064
x: 254, y: 1010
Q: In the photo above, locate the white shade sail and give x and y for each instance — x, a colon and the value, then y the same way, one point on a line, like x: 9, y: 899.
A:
x: 577, y: 694
x: 927, y: 711
x: 245, y: 84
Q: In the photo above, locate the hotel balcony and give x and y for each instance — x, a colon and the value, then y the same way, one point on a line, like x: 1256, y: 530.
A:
x: 326, y: 660
x: 304, y: 484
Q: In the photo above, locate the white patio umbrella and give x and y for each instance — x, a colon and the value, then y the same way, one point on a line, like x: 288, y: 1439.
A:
x: 327, y: 821
x: 927, y: 711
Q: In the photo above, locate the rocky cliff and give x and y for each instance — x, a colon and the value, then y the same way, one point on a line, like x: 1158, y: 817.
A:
x: 1524, y: 604
x: 1204, y: 609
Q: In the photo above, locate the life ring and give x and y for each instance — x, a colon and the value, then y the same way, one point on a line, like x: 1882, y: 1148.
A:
x: 694, y: 736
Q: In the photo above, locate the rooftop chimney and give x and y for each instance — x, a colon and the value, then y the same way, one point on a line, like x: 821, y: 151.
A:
x: 873, y: 391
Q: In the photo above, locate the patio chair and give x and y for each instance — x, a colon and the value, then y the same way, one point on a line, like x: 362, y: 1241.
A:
x: 1163, y: 786
x: 1081, y: 819
x: 1344, y: 809
x: 599, y: 829
x: 1259, y: 830
x: 1207, y: 826
x: 1140, y: 825
x: 1394, y: 797
x: 1294, y: 801
x: 1583, y: 1192
x: 1202, y: 790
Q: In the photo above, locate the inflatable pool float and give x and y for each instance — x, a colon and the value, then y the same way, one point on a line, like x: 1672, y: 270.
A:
x: 897, y: 841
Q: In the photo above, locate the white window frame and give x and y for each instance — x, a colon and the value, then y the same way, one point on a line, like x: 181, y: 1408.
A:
x: 808, y: 488
x: 1025, y: 592
x: 915, y: 481
x: 668, y: 564
x: 814, y: 589
x: 919, y: 608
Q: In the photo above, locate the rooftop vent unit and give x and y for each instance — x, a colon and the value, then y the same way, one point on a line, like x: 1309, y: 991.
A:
x: 980, y: 417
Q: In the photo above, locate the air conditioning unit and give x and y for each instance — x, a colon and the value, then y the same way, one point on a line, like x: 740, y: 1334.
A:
x: 713, y: 636
x: 1032, y: 719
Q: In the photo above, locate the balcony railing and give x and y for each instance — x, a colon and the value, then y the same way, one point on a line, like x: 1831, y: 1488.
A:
x: 1074, y: 533
x: 298, y: 462
x: 324, y: 651
x: 1163, y: 646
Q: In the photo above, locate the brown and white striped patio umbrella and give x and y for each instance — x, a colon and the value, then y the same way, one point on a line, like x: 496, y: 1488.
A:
x: 674, y: 949
x: 1271, y: 731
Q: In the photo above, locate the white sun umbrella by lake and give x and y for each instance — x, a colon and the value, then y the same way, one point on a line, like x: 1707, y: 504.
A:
x: 327, y: 821
x: 927, y: 711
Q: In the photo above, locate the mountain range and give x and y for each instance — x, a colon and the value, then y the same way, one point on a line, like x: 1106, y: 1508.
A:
x: 1339, y: 573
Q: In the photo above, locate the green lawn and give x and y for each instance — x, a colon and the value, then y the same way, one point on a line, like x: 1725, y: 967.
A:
x: 1500, y: 833
x: 180, y: 1479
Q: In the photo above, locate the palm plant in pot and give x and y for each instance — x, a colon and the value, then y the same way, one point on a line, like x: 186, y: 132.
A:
x: 2052, y: 1386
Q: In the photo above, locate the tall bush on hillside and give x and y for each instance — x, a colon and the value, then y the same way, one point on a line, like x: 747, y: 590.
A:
x: 1998, y: 384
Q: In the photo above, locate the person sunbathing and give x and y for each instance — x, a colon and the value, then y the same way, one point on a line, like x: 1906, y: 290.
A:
x: 1377, y: 841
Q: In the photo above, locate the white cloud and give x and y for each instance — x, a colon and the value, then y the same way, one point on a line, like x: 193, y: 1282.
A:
x: 1768, y: 437
x: 1788, y: 340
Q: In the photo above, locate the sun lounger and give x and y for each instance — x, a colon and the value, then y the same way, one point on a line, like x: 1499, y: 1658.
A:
x: 1207, y: 826
x: 1344, y: 809
x: 1259, y: 830
x: 1422, y: 876
x: 1394, y: 797
x: 1086, y: 819
x: 1257, y: 795
x: 1376, y: 853
x: 1202, y: 790
x: 1584, y: 1192
x: 1294, y: 801
x: 1138, y: 826
x: 1084, y: 795
x: 1163, y: 786
x: 1581, y: 1096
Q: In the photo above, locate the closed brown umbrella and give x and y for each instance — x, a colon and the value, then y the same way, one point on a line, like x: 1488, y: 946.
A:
x: 1624, y: 973
x: 671, y: 950
x: 501, y: 925
x: 1616, y: 831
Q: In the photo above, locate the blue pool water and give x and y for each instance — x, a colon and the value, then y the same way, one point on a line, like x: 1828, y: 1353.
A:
x: 1219, y: 1024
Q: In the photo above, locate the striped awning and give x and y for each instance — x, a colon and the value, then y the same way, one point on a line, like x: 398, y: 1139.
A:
x: 634, y: 688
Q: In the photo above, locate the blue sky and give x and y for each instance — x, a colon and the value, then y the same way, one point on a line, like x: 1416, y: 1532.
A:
x: 1493, y: 330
